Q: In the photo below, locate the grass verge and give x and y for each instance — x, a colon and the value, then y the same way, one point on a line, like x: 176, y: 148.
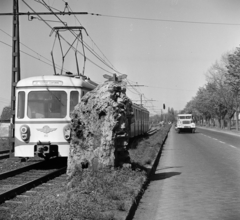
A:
x: 104, y: 195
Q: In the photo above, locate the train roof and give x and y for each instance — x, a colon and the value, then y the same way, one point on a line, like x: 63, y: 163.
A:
x: 55, y: 81
x: 139, y: 107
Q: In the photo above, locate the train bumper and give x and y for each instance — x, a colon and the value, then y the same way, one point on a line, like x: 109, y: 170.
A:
x: 29, y: 150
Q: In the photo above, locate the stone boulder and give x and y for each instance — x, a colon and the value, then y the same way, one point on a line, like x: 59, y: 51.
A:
x: 100, y: 129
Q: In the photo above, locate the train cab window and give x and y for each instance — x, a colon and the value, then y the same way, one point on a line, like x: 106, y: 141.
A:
x: 47, y: 104
x: 21, y: 105
x: 73, y: 99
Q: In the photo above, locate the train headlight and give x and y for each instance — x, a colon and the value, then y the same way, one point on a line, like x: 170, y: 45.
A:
x: 24, y: 129
x: 25, y: 132
x: 67, y: 132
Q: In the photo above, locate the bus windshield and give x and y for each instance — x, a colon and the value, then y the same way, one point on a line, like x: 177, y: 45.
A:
x: 185, y: 117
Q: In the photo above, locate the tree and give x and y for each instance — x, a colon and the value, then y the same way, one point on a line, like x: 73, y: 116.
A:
x: 6, y: 113
x: 233, y: 78
x: 217, y: 78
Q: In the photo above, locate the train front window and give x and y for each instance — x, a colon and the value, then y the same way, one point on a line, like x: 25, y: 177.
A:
x: 47, y: 104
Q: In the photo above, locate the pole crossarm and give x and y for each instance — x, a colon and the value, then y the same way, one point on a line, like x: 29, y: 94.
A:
x: 49, y: 13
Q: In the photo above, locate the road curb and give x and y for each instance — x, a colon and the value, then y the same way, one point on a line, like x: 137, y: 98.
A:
x: 220, y: 130
x: 135, y: 204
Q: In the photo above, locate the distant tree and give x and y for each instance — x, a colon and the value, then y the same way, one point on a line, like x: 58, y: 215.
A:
x: 225, y: 96
x: 233, y: 78
x: 155, y: 119
x: 6, y: 113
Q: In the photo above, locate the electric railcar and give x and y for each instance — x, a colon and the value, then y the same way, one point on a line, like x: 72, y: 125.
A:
x: 43, y: 107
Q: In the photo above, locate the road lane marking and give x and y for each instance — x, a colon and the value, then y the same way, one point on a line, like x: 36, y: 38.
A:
x: 232, y: 146
x: 220, y: 141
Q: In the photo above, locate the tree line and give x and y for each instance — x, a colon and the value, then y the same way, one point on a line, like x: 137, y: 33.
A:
x: 217, y: 102
x: 169, y: 116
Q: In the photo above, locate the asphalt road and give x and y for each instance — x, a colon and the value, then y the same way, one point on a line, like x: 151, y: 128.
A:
x: 198, y: 177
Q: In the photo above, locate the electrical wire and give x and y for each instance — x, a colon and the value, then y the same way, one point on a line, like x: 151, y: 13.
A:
x: 29, y: 55
x: 89, y: 48
x: 168, y: 20
x: 90, y: 37
x: 66, y: 40
x: 32, y: 50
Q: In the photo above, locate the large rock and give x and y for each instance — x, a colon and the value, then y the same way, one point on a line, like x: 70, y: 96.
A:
x: 100, y: 129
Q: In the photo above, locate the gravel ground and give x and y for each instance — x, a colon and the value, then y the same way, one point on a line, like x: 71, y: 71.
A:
x: 17, y: 207
x: 21, y: 203
x: 15, y: 163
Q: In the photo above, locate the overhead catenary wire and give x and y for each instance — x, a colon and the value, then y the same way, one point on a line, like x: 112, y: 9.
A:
x: 87, y: 46
x: 90, y: 36
x: 30, y: 49
x: 50, y: 64
x: 49, y: 8
x: 65, y: 39
x: 167, y: 20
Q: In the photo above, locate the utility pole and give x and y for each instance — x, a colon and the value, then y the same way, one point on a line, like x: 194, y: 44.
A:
x: 16, y: 76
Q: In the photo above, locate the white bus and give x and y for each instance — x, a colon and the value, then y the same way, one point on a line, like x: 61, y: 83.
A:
x: 185, y: 123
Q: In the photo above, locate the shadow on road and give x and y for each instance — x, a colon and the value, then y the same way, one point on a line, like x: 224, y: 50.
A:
x: 165, y: 175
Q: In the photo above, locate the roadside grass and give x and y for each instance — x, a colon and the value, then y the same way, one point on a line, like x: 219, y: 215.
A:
x: 103, y: 195
x: 143, y: 151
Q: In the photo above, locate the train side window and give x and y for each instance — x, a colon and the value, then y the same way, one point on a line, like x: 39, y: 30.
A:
x: 21, y: 105
x: 73, y: 99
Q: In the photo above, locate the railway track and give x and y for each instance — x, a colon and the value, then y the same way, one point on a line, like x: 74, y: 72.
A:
x: 4, y: 154
x: 153, y: 131
x: 20, y: 180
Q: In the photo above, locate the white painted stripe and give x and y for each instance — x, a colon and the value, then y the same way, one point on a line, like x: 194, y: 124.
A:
x: 232, y: 146
x: 220, y: 141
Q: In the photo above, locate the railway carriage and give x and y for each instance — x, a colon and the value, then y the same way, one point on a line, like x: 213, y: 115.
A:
x: 140, y: 123
x: 43, y: 107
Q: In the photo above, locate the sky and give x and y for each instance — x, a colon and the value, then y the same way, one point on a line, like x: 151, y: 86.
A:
x: 165, y: 47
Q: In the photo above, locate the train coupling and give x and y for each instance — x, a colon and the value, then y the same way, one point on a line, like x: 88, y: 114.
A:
x: 43, y: 147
